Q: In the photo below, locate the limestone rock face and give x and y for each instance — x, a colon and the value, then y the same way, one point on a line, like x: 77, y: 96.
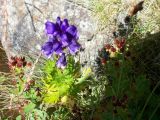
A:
x: 22, y: 26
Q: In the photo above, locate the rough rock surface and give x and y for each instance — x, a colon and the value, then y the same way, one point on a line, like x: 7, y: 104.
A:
x: 22, y: 26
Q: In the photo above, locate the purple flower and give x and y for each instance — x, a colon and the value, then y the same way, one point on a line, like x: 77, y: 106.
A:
x: 62, y: 37
x: 50, y: 27
x: 72, y: 30
x: 74, y: 47
x: 58, y: 21
x: 61, y: 63
x: 61, y: 27
x: 65, y: 40
x: 64, y: 25
x: 52, y: 45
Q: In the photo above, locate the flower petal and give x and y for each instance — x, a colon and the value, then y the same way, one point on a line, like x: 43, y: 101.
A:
x: 74, y: 47
x: 47, y: 49
x: 56, y: 45
x: 52, y: 45
x: 50, y: 27
x: 59, y: 51
x: 65, y: 40
x: 61, y: 63
x: 58, y: 21
x: 64, y: 25
x: 72, y: 30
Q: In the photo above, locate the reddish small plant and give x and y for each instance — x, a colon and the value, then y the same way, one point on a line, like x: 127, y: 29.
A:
x: 107, y: 46
x: 120, y: 43
x: 18, y: 62
x: 113, y: 49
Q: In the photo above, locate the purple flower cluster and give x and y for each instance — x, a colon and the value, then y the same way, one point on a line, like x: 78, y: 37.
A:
x: 62, y: 38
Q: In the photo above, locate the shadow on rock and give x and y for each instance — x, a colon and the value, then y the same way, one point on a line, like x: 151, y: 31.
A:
x: 147, y: 52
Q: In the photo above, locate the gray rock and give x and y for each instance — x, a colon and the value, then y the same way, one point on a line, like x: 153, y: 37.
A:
x: 25, y: 26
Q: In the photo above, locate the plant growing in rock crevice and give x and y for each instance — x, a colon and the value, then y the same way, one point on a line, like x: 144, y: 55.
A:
x: 59, y: 88
x: 60, y: 78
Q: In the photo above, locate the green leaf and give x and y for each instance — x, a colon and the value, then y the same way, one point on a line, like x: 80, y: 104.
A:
x: 29, y: 108
x: 18, y: 117
x: 142, y: 86
x: 56, y: 82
